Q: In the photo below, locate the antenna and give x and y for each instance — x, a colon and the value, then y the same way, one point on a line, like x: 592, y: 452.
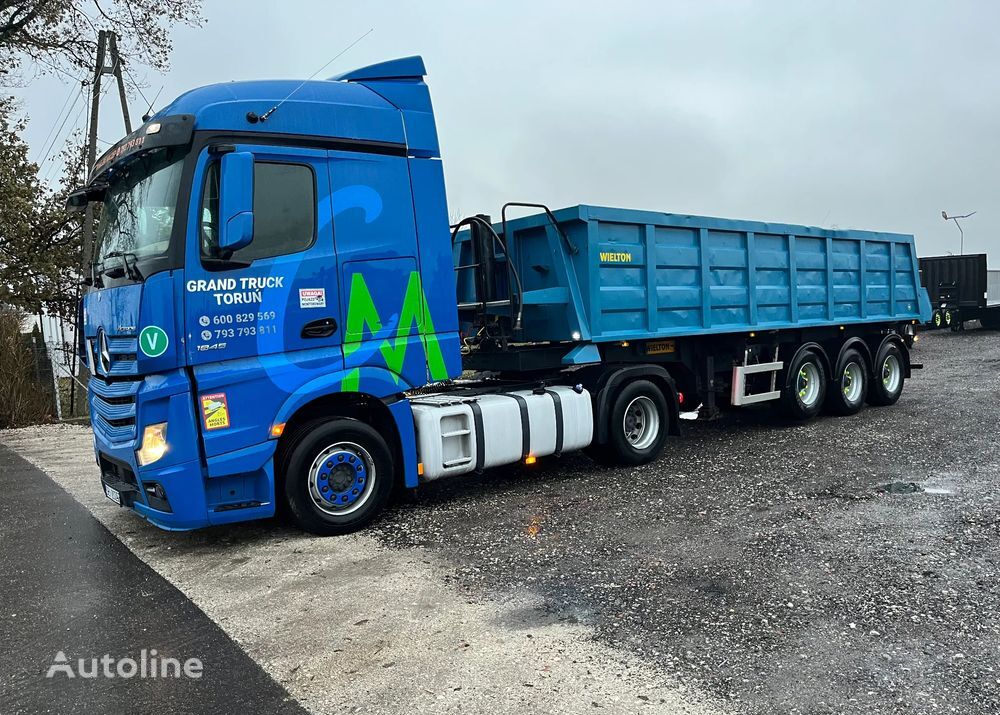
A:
x: 253, y: 118
x: 149, y: 109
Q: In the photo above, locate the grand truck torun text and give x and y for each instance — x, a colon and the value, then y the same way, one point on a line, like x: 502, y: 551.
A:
x: 278, y: 312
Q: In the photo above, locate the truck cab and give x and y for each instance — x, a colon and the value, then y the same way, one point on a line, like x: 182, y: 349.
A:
x: 260, y: 260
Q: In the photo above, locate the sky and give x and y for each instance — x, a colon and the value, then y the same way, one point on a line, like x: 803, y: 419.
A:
x: 868, y: 115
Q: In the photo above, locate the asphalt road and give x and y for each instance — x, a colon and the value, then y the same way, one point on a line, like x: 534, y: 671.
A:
x: 759, y: 567
x: 71, y: 590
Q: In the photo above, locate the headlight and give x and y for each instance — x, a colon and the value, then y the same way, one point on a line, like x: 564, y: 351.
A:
x: 154, y: 444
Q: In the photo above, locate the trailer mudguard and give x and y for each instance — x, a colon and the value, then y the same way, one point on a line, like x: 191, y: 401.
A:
x: 615, y: 378
x: 857, y: 344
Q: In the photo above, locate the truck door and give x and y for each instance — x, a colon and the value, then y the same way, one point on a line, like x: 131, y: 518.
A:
x: 383, y: 299
x: 280, y: 294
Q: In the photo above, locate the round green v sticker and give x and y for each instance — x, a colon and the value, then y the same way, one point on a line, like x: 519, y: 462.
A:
x: 153, y: 341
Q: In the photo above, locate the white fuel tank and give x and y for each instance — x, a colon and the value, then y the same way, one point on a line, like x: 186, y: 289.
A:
x: 456, y: 435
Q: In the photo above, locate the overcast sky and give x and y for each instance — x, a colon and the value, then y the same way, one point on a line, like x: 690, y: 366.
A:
x: 874, y: 115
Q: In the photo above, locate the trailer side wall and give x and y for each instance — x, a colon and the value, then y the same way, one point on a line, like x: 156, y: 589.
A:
x: 639, y: 275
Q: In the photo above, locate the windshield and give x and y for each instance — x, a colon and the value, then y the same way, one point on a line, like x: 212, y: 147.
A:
x: 137, y: 217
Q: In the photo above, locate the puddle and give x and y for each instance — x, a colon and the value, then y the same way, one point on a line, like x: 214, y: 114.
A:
x: 900, y: 488
x: 911, y: 488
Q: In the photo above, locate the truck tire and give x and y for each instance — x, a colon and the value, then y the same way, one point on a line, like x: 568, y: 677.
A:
x: 805, y: 386
x: 637, y: 428
x: 936, y: 319
x: 949, y: 318
x: 849, y: 386
x: 338, y: 475
x: 887, y: 376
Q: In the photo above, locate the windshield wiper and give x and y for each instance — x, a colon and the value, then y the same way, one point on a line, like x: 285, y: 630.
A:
x: 125, y: 268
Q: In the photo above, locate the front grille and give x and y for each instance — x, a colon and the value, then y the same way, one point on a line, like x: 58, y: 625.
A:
x: 113, y: 388
x: 119, y: 400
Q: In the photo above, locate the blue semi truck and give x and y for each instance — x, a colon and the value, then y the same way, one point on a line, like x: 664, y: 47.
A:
x: 279, y: 314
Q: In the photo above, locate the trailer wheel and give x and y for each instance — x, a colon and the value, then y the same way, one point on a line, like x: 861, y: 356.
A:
x: 849, y: 385
x: 338, y: 476
x: 805, y: 386
x: 639, y: 421
x: 888, y: 376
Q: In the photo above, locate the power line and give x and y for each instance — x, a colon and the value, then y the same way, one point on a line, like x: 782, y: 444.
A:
x: 74, y: 127
x: 59, y: 131
x: 136, y: 85
x: 55, y: 121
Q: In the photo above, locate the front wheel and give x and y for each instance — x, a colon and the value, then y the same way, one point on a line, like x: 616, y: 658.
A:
x: 637, y: 428
x: 338, y: 476
x: 888, y: 376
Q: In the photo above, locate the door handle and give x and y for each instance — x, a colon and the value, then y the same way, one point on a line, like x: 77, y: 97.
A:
x: 322, y: 328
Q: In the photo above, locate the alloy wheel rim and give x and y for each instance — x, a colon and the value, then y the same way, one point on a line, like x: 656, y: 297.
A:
x: 891, y: 373
x: 807, y: 384
x: 852, y: 382
x: 641, y: 422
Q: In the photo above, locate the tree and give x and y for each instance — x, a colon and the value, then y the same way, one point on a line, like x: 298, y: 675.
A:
x: 39, y: 240
x: 61, y: 35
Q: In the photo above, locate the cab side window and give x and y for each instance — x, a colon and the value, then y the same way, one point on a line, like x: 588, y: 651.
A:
x: 284, y: 211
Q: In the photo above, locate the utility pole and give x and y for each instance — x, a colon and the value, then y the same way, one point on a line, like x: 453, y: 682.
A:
x: 116, y: 65
x: 107, y: 49
x: 95, y: 113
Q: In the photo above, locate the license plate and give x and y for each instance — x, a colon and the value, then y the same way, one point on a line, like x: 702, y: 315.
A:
x: 113, y: 495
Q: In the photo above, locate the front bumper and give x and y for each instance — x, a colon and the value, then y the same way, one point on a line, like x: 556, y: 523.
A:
x: 179, y: 492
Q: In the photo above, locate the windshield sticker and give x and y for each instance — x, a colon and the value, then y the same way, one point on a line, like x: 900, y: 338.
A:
x: 153, y: 341
x: 312, y: 297
x: 215, y: 410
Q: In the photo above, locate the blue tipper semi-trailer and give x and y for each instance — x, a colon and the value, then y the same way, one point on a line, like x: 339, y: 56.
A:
x: 278, y: 312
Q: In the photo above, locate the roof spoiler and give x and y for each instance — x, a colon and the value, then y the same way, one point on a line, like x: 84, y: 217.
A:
x: 404, y: 68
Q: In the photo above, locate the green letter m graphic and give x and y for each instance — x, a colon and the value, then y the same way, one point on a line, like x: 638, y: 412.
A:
x: 361, y: 313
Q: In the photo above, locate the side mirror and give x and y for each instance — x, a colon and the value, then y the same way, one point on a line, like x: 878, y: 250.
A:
x: 235, y: 201
x: 77, y: 200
